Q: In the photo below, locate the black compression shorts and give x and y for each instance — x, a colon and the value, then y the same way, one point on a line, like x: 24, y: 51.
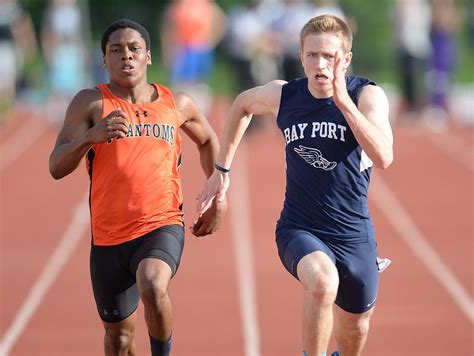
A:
x: 113, y: 269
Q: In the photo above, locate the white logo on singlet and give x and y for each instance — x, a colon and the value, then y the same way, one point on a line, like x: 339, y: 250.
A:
x: 314, y: 157
x: 370, y: 304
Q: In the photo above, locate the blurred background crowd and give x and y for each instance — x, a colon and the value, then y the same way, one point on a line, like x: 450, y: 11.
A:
x: 420, y: 51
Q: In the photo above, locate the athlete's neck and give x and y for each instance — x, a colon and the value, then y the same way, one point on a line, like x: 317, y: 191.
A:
x: 140, y: 94
x: 320, y: 92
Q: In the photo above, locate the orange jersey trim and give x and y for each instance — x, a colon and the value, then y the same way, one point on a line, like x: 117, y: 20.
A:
x: 135, y: 182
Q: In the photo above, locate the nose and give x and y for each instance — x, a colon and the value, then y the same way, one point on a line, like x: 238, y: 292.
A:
x: 126, y: 54
x: 319, y: 63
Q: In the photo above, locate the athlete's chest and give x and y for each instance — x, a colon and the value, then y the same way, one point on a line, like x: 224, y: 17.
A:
x: 322, y: 123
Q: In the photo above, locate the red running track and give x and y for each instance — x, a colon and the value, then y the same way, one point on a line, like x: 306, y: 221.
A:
x: 230, y: 298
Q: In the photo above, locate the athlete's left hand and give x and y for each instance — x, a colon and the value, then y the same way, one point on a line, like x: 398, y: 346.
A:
x: 339, y: 88
x: 209, y: 221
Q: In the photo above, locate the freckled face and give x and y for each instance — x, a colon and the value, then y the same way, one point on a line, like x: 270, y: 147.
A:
x: 126, y: 57
x: 318, y: 58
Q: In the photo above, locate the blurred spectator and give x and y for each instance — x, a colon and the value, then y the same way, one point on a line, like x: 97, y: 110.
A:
x: 17, y: 46
x: 252, y: 46
x: 443, y: 58
x: 412, y: 20
x: 330, y: 7
x: 266, y: 56
x: 470, y: 24
x: 65, y: 52
x: 245, y: 28
x: 287, y: 29
x: 191, y: 31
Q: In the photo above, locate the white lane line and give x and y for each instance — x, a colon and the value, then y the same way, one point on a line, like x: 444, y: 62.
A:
x: 242, y: 245
x: 387, y: 202
x: 22, y: 139
x: 455, y: 148
x: 77, y: 228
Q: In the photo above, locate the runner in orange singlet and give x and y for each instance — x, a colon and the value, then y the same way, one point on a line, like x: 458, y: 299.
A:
x: 128, y: 131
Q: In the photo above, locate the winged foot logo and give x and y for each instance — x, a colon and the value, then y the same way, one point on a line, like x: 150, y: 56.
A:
x: 314, y: 157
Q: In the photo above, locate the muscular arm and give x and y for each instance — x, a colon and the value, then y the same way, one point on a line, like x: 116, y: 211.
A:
x: 262, y: 100
x: 370, y: 124
x: 369, y: 120
x: 79, y: 133
x: 197, y: 128
x: 195, y: 125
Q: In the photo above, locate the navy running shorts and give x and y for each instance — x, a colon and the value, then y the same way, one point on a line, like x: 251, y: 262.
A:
x: 356, y: 263
x: 113, y: 269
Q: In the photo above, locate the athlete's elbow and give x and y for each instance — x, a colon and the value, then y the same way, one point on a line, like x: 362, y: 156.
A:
x: 54, y: 170
x: 385, y: 161
x: 55, y: 173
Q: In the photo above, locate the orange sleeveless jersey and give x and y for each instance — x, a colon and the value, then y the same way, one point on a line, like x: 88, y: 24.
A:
x: 135, y: 183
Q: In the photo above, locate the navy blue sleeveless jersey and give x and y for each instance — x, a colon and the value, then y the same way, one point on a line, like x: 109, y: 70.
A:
x: 327, y: 172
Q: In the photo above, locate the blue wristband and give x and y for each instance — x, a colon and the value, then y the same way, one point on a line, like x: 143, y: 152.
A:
x: 221, y: 169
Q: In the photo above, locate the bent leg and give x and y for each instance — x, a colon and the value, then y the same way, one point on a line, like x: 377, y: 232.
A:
x: 318, y: 275
x: 119, y: 339
x: 351, y: 331
x: 153, y: 277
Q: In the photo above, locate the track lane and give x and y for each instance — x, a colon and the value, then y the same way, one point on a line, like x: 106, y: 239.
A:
x: 414, y: 314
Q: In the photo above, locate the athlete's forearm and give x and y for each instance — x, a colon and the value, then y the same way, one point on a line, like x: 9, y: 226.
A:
x: 237, y: 122
x: 66, y: 157
x: 371, y: 138
x: 208, y: 154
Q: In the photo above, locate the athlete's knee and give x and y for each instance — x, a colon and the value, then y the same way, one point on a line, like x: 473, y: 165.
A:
x: 323, y: 287
x: 319, y: 277
x: 152, y: 281
x: 154, y: 291
x: 356, y: 327
x: 119, y: 340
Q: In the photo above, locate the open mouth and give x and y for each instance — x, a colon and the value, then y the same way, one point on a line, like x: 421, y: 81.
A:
x: 128, y: 69
x: 320, y: 77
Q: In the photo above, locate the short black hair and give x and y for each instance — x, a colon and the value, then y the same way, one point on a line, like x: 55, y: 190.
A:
x: 124, y: 23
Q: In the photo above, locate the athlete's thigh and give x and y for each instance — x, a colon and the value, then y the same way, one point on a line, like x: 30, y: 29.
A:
x: 358, y: 275
x: 294, y: 244
x: 165, y: 243
x: 114, y: 287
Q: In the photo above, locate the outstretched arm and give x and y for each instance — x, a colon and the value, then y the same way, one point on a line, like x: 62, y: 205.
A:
x: 369, y: 121
x: 197, y: 128
x: 262, y: 100
x: 79, y: 133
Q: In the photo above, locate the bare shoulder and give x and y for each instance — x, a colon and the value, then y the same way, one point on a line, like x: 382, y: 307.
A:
x: 183, y: 101
x: 372, y: 96
x: 263, y: 100
x: 187, y: 108
x: 372, y: 92
x: 84, y: 110
x: 271, y: 90
x: 89, y: 95
x: 87, y: 102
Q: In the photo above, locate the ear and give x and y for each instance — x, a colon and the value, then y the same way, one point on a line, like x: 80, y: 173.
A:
x: 104, y: 63
x: 347, y: 59
x: 148, y: 55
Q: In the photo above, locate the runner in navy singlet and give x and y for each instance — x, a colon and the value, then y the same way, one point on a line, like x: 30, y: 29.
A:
x: 335, y: 128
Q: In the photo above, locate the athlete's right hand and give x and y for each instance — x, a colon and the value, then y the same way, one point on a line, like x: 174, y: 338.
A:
x: 215, y: 187
x: 113, y: 126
